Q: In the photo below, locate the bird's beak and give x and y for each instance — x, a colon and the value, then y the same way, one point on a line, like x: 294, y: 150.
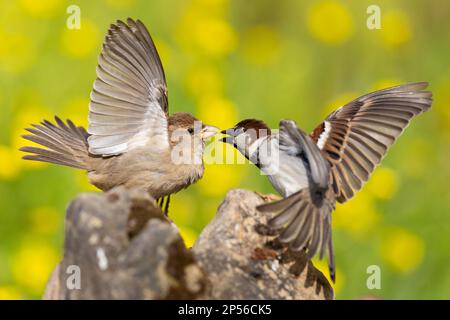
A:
x: 208, y: 131
x: 230, y: 136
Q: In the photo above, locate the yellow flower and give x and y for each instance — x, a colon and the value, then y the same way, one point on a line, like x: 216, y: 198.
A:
x: 395, y: 28
x: 358, y: 216
x: 217, y: 111
x: 199, y: 14
x: 9, y: 163
x: 402, y: 250
x: 9, y: 293
x: 32, y: 265
x: 41, y: 8
x: 383, y: 184
x: 204, y: 80
x: 214, y: 36
x: 45, y: 220
x: 261, y: 45
x: 17, y: 52
x: 330, y: 21
x: 82, y: 42
x: 204, y: 28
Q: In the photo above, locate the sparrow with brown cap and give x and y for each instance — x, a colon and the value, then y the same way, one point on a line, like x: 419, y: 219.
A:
x: 331, y: 164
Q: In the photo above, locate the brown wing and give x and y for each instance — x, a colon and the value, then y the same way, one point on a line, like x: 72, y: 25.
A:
x: 129, y: 98
x: 357, y: 136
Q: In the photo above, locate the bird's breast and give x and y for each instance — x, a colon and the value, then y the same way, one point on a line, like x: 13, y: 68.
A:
x: 286, y: 172
x: 288, y: 175
x: 156, y: 173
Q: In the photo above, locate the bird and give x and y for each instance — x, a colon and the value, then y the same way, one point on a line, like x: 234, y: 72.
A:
x: 314, y: 171
x: 131, y: 139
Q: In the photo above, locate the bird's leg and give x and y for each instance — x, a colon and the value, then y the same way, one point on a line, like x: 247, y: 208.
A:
x: 166, y: 206
x: 268, y: 197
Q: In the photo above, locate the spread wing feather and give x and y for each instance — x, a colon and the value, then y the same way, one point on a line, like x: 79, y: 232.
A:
x: 129, y: 97
x: 356, y: 137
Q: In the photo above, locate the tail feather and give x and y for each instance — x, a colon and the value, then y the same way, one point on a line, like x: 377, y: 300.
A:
x: 65, y: 144
x: 303, y: 224
x: 331, y: 264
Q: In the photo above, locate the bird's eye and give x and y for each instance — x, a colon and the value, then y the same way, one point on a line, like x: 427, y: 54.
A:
x: 191, y: 130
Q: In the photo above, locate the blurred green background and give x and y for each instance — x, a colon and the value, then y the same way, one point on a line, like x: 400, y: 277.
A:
x: 227, y: 60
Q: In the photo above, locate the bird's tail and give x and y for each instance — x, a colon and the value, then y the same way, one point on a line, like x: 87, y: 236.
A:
x: 303, y: 225
x: 65, y: 144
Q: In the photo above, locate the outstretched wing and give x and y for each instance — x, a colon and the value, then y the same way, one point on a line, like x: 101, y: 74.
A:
x: 355, y: 137
x: 129, y: 100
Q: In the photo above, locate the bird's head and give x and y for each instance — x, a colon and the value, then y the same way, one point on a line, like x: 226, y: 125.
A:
x: 184, y: 125
x: 245, y: 133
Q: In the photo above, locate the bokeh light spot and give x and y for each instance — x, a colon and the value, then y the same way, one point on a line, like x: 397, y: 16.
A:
x: 219, y: 179
x: 217, y: 111
x: 29, y: 114
x: 261, y: 45
x: 17, y: 52
x: 204, y: 80
x: 396, y: 28
x: 402, y: 250
x: 80, y: 43
x: 330, y: 22
x: 32, y: 265
x: 188, y: 235
x: 40, y: 8
x: 383, y: 183
x: 45, y: 220
x: 9, y: 164
x: 181, y: 208
x: 215, y: 36
x: 9, y: 293
x: 76, y: 109
x: 357, y: 216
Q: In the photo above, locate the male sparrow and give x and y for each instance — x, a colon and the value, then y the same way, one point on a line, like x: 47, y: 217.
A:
x: 131, y: 140
x: 314, y: 171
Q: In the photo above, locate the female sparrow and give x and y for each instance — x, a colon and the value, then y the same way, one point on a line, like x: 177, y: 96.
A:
x: 131, y: 139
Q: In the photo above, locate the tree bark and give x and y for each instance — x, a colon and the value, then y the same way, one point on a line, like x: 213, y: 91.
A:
x: 119, y: 245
